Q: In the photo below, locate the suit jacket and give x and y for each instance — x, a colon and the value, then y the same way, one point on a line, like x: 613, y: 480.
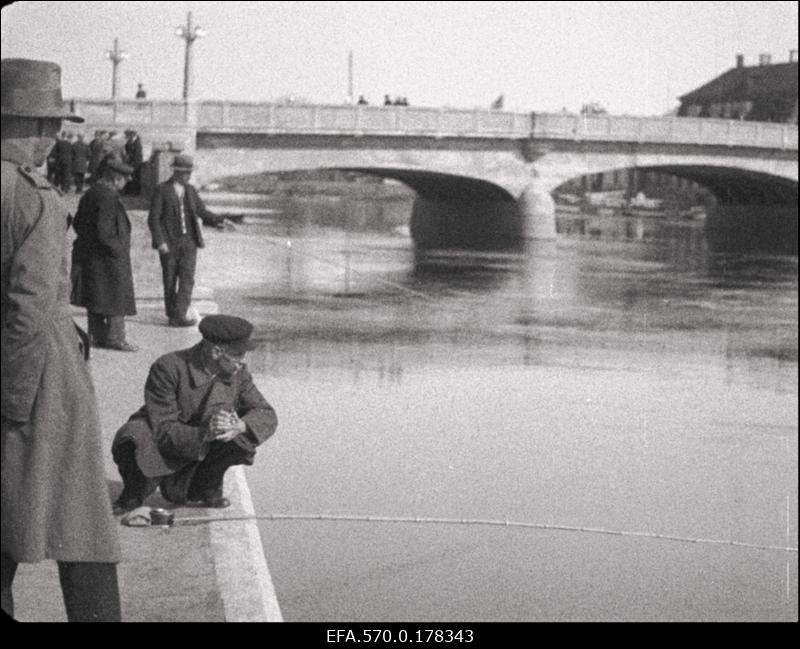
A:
x: 164, y: 219
x: 180, y: 398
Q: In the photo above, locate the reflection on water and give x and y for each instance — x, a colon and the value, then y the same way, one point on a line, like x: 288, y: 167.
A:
x: 619, y: 381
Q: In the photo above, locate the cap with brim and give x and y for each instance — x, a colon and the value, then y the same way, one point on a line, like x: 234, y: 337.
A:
x: 183, y: 162
x: 33, y: 89
x: 229, y: 331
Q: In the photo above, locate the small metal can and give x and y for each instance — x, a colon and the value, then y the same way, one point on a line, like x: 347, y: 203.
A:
x: 161, y: 517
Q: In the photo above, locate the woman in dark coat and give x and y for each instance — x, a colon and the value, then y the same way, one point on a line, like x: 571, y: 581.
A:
x: 102, y: 280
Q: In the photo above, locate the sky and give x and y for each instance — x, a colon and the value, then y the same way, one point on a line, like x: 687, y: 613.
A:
x: 631, y: 57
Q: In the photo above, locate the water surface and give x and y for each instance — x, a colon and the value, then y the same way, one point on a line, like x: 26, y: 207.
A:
x: 624, y: 378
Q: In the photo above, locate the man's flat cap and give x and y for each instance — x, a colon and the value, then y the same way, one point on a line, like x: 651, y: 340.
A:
x: 227, y: 330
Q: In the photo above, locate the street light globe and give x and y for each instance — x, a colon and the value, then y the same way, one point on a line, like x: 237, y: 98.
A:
x: 200, y: 32
x: 180, y: 31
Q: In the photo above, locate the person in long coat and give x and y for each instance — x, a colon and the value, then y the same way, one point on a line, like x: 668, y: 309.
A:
x: 55, y: 502
x: 80, y: 162
x: 102, y: 279
x: 202, y: 414
x: 62, y: 152
x: 96, y: 148
x: 134, y: 158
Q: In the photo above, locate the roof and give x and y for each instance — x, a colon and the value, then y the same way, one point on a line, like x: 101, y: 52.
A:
x: 748, y: 82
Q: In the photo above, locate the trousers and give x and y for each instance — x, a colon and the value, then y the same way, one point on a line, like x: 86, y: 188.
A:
x: 196, y: 481
x: 177, y: 272
x: 91, y: 590
x: 106, y: 329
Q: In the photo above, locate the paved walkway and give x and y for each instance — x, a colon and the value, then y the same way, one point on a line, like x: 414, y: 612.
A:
x: 209, y: 572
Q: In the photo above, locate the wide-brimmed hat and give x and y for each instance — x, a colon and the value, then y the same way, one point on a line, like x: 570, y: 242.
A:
x: 183, y: 162
x: 33, y: 89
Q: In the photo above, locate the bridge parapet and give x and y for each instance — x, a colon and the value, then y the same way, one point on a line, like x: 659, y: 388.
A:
x: 665, y: 130
x: 244, y: 117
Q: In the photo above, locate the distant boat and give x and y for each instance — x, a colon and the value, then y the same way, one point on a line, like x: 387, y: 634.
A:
x: 694, y: 213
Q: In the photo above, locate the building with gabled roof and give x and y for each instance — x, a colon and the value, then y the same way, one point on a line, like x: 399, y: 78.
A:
x: 766, y: 92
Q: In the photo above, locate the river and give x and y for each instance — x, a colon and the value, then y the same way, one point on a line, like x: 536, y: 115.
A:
x: 629, y: 379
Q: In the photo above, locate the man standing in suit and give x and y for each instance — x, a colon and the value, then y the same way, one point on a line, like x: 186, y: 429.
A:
x: 176, y: 217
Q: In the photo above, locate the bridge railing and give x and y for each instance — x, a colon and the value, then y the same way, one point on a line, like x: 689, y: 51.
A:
x: 671, y: 130
x: 239, y: 116
x: 383, y: 120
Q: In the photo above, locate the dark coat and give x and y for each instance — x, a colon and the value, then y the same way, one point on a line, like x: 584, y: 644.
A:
x: 55, y: 502
x: 133, y: 152
x: 102, y: 280
x: 180, y: 397
x: 96, y: 152
x: 80, y: 157
x: 62, y: 153
x: 165, y: 216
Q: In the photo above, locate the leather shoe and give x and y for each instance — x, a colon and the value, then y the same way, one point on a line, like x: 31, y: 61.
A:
x: 216, y: 502
x: 124, y: 346
x: 182, y: 322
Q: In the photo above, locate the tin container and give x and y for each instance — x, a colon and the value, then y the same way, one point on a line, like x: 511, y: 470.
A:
x: 161, y: 517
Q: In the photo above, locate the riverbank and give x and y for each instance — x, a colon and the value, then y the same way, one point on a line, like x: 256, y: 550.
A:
x: 198, y: 573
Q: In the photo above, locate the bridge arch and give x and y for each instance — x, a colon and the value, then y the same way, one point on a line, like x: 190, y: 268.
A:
x: 451, y: 210
x: 729, y: 185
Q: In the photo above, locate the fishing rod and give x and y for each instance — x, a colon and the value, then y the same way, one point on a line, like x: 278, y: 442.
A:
x: 165, y: 519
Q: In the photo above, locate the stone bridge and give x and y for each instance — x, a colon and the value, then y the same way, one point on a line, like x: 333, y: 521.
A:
x: 475, y: 172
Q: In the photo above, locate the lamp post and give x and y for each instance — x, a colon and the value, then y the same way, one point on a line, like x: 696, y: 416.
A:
x: 350, y: 95
x: 116, y: 56
x: 190, y: 34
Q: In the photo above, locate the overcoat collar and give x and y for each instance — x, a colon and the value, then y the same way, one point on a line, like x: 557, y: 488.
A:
x: 12, y: 153
x: 197, y: 370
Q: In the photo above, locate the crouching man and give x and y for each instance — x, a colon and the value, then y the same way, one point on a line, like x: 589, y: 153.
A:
x: 202, y: 414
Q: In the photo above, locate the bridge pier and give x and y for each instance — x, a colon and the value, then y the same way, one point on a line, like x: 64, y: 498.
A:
x: 480, y: 224
x: 538, y: 211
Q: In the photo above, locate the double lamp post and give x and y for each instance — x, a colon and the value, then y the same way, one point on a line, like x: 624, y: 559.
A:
x: 189, y: 33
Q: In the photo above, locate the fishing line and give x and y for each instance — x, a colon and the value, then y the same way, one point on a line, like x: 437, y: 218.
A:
x: 201, y: 520
x: 288, y: 244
